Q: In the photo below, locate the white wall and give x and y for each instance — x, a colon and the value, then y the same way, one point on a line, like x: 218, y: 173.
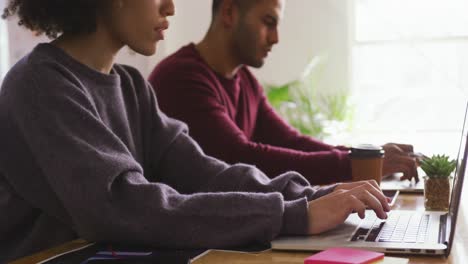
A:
x: 21, y: 41
x: 309, y: 28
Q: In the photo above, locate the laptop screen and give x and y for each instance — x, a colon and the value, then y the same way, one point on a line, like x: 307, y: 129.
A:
x: 458, y: 182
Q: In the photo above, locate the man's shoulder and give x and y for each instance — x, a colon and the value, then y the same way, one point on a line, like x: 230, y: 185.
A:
x: 184, y: 59
x: 184, y: 64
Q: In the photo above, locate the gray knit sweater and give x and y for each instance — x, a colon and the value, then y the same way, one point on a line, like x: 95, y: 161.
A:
x: 85, y: 154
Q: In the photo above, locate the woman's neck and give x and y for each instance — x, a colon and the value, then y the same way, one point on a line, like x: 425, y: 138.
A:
x: 96, y: 50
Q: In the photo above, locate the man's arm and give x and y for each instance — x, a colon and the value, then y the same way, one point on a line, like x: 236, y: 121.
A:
x: 188, y: 96
x: 272, y: 129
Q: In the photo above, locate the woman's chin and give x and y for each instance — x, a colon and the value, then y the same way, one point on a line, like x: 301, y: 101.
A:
x: 148, y: 50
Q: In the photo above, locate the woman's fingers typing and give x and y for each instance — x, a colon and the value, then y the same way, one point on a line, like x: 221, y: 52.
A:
x: 325, y: 215
x: 370, y: 186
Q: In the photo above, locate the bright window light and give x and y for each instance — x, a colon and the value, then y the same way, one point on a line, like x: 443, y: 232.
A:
x: 400, y: 19
x: 410, y: 72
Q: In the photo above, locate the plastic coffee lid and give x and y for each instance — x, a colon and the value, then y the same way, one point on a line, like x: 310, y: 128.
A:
x: 366, y: 151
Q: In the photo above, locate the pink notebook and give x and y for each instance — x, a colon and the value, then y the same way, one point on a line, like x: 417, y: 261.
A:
x: 344, y: 256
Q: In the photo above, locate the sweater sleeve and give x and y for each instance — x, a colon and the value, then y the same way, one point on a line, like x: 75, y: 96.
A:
x: 197, y: 173
x: 202, y: 173
x: 191, y: 98
x: 108, y: 198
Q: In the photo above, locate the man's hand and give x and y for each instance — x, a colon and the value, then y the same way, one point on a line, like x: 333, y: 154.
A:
x: 400, y: 158
x: 331, y: 210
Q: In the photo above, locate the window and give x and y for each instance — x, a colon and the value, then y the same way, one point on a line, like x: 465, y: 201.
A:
x: 409, y: 72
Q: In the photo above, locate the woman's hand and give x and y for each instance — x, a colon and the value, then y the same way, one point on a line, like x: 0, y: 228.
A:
x: 331, y: 210
x: 351, y: 185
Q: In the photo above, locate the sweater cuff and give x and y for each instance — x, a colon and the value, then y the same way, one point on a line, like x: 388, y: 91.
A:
x: 322, y: 191
x: 295, y: 217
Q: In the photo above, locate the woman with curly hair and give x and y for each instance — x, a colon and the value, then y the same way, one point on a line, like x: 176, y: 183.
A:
x: 85, y: 151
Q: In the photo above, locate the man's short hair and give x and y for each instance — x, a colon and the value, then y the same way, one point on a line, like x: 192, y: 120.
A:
x: 215, y: 6
x: 244, y: 5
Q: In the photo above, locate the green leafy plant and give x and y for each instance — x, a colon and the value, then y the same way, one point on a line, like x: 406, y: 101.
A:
x: 310, y: 108
x: 438, y: 166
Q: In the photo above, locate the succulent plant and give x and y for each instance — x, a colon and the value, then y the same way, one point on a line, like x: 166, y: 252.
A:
x: 438, y: 166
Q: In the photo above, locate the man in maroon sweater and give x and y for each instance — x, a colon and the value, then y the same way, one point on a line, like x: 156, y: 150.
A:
x: 209, y: 87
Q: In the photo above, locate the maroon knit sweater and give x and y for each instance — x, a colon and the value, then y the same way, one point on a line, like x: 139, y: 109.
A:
x: 232, y: 120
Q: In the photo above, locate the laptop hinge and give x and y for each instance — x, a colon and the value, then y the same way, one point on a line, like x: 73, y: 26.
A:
x: 443, y: 229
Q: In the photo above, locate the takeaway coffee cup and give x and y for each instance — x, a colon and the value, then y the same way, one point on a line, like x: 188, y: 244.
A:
x: 366, y: 162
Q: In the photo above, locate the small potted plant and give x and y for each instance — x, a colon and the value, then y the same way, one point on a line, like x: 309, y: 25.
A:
x: 438, y: 169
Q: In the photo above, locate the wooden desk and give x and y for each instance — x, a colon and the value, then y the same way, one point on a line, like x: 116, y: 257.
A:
x: 41, y: 256
x: 459, y: 252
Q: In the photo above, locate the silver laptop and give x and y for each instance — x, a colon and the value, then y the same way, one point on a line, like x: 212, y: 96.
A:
x: 403, y: 232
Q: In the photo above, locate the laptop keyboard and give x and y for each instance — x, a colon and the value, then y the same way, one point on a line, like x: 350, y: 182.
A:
x: 406, y: 227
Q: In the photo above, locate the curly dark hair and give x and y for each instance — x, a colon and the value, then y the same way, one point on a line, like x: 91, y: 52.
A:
x: 53, y: 17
